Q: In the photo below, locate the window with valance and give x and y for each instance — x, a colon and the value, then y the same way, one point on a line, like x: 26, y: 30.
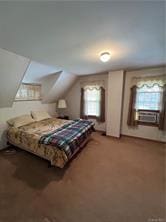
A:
x: 148, y: 97
x: 93, y: 101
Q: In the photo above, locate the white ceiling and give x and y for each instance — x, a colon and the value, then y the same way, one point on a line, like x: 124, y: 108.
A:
x: 71, y: 35
x: 12, y: 69
x: 37, y: 71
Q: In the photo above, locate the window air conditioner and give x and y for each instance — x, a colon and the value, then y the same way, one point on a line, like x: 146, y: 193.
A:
x: 148, y: 117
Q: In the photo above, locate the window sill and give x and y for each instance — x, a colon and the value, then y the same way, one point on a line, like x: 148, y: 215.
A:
x: 24, y: 100
x: 91, y: 117
x: 149, y: 110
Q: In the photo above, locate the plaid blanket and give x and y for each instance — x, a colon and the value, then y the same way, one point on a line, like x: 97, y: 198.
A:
x: 70, y: 136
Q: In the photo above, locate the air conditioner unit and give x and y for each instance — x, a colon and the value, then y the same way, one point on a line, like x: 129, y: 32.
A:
x: 148, y: 117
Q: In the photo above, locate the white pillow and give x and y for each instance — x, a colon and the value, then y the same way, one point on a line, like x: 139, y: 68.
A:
x: 20, y: 120
x: 40, y: 115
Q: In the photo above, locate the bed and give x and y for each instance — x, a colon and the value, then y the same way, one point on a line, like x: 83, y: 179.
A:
x: 55, y: 140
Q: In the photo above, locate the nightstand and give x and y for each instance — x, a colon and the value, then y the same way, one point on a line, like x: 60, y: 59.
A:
x: 63, y: 117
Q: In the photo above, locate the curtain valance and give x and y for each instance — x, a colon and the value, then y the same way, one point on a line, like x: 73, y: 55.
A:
x: 92, y: 85
x: 149, y: 81
x: 145, y: 85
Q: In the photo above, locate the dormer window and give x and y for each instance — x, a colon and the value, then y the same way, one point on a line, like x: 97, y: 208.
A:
x: 28, y: 92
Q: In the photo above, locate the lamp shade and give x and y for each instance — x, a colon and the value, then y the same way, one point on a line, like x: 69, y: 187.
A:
x: 62, y: 104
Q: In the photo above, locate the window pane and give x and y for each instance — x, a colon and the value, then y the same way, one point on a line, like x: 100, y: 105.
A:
x: 92, y: 95
x: 29, y: 92
x: 149, y: 98
x: 92, y: 108
x: 92, y: 102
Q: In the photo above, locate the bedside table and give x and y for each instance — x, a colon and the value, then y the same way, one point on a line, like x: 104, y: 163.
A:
x: 63, y: 117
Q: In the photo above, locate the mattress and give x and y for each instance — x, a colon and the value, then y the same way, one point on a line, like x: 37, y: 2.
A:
x: 27, y: 137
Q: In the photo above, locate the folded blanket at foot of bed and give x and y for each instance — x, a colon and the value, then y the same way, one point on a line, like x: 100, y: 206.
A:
x: 70, y: 136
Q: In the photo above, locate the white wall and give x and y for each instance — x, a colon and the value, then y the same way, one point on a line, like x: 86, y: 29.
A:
x: 20, y: 108
x: 55, y: 86
x: 147, y: 132
x: 74, y: 94
x: 12, y: 70
x: 48, y: 83
x: 73, y: 102
x: 114, y: 101
x: 115, y: 121
x: 15, y: 68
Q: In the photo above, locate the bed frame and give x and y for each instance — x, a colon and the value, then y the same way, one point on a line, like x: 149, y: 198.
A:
x: 83, y: 144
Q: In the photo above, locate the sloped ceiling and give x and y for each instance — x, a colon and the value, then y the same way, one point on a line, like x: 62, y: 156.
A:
x: 12, y: 70
x: 71, y: 35
x: 36, y: 72
x: 55, y: 83
x: 66, y: 38
x: 15, y: 69
x: 58, y: 85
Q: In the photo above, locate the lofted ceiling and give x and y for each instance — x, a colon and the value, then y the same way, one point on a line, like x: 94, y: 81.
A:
x: 15, y: 69
x: 37, y: 71
x: 12, y: 70
x: 71, y: 35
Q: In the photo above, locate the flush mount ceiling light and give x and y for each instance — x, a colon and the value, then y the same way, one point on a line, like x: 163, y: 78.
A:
x: 105, y: 56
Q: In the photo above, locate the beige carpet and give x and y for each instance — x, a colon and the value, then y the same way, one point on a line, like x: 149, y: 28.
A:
x: 109, y: 181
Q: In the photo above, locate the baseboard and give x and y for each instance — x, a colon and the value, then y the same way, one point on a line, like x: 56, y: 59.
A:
x: 151, y: 140
x: 114, y: 137
x: 136, y: 137
x: 104, y: 134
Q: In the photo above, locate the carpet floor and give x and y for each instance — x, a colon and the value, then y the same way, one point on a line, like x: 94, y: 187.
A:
x: 110, y: 180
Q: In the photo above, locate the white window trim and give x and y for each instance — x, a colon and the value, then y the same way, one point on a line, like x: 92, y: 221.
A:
x: 92, y: 87
x: 33, y: 92
x: 159, y: 102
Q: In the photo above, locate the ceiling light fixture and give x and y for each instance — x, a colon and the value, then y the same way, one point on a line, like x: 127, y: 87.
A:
x: 105, y: 56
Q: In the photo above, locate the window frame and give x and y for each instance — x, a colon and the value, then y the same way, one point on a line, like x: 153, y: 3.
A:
x: 86, y: 101
x: 146, y: 92
x: 146, y: 110
x: 26, y: 99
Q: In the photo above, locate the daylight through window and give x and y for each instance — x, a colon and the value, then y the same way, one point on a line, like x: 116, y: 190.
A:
x: 92, y: 102
x: 28, y: 92
x: 149, y: 98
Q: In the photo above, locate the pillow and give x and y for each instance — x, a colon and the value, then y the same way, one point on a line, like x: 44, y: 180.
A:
x: 20, y: 120
x: 40, y: 115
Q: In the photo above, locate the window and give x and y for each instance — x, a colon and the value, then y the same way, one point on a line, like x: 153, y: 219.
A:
x: 28, y: 92
x: 92, y: 102
x: 149, y: 98
x: 147, y: 102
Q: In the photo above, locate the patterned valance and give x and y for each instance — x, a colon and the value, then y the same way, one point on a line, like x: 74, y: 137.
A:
x: 149, y: 81
x: 92, y: 84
